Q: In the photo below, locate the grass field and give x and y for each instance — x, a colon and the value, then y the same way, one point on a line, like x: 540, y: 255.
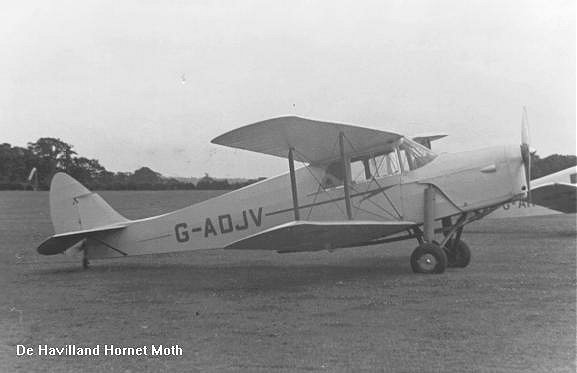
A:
x: 512, y: 309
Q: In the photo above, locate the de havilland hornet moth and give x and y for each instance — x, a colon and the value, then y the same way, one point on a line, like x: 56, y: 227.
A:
x: 359, y: 187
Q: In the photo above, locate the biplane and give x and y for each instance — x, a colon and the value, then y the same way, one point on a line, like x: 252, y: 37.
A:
x: 358, y: 187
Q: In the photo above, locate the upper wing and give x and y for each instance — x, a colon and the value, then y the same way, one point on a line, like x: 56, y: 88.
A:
x: 556, y: 196
x: 313, y: 141
x: 312, y: 236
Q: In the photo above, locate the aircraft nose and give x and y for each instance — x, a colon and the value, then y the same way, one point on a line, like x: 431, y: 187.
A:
x: 517, y: 168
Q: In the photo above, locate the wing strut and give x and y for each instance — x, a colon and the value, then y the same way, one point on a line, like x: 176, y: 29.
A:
x: 347, y: 173
x: 293, y: 183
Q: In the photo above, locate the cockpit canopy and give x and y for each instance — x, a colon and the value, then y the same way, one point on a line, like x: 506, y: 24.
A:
x: 404, y: 155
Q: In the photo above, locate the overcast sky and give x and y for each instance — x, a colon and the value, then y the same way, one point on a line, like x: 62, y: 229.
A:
x: 150, y: 83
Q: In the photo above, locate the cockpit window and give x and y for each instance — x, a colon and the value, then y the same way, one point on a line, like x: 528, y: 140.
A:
x: 334, y: 175
x: 405, y: 156
x: 385, y: 165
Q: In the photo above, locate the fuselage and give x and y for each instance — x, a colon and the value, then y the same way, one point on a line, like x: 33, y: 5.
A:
x: 464, y: 182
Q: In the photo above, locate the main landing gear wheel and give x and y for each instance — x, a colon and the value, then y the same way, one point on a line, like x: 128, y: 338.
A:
x: 458, y: 254
x: 428, y: 258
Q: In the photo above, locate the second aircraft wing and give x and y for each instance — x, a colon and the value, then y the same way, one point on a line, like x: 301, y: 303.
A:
x: 556, y: 196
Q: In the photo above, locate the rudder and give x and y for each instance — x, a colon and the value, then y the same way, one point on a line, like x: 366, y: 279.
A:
x: 74, y: 208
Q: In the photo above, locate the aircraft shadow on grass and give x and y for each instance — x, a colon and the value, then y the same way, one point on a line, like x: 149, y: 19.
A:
x: 234, y: 276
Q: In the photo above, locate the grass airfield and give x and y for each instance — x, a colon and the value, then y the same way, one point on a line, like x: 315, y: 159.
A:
x: 512, y: 310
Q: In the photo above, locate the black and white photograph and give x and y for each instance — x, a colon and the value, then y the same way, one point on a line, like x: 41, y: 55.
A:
x: 288, y: 186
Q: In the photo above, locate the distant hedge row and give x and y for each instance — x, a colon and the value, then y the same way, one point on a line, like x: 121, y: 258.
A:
x: 33, y: 167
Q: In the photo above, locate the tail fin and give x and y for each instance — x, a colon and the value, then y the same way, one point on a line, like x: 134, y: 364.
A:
x: 75, y: 208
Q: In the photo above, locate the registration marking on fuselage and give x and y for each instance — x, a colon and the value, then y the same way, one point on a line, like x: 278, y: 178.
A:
x: 223, y: 224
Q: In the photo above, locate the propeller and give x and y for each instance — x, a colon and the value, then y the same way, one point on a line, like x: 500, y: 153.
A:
x: 526, y: 152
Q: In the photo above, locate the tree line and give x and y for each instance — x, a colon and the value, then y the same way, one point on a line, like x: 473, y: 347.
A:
x: 553, y: 163
x: 49, y: 155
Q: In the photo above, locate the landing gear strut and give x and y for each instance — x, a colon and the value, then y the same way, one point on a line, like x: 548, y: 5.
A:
x: 433, y: 257
x: 428, y: 257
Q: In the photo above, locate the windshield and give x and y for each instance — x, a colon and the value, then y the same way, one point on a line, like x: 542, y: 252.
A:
x: 414, y: 155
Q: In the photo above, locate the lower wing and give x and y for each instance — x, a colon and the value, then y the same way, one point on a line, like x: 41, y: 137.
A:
x: 313, y: 236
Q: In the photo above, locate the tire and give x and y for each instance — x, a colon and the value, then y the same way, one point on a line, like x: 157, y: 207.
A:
x: 451, y: 256
x: 462, y: 254
x: 428, y: 258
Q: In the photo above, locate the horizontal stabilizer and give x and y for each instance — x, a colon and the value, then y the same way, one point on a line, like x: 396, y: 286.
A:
x: 313, y: 236
x: 556, y: 196
x: 61, y: 242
